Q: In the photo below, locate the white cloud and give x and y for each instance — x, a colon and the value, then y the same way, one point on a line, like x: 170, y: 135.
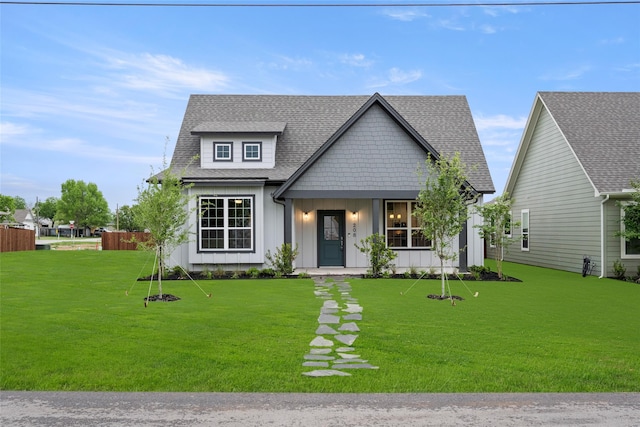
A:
x: 161, y: 74
x: 404, y: 14
x: 450, y: 25
x: 569, y: 74
x: 284, y: 62
x: 616, y: 40
x: 25, y: 137
x: 488, y: 29
x: 10, y: 130
x: 356, y: 60
x: 499, y: 121
x: 397, y: 76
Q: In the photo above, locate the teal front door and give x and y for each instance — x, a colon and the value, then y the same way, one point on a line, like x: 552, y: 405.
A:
x: 331, y: 238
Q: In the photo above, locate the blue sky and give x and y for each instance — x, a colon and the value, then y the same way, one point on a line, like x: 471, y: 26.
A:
x: 92, y: 93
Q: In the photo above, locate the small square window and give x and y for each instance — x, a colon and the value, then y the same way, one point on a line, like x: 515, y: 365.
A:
x: 223, y: 152
x: 252, y: 151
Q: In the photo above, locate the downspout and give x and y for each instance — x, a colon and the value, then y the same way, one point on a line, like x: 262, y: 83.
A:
x: 603, y: 265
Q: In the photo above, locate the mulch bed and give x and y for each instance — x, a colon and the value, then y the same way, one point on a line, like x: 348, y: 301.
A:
x: 164, y: 297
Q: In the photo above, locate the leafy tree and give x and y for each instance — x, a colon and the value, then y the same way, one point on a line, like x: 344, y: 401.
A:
x: 84, y: 204
x: 380, y: 256
x: 496, y: 227
x: 127, y: 218
x: 48, y: 209
x: 21, y: 203
x: 162, y: 209
x: 631, y: 214
x: 7, y: 208
x: 442, y: 205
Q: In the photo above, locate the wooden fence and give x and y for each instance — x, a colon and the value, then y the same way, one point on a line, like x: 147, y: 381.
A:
x: 122, y: 241
x: 17, y: 239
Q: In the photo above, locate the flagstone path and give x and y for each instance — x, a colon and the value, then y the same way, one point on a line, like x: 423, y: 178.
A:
x: 331, y: 351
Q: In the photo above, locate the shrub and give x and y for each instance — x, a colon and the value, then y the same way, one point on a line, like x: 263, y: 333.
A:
x: 253, y: 272
x: 619, y: 269
x: 380, y: 256
x: 282, y: 260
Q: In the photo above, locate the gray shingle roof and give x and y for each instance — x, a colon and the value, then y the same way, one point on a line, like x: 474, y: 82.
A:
x: 603, y: 129
x: 445, y: 122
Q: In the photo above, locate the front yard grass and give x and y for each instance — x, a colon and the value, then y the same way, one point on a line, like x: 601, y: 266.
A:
x: 67, y: 324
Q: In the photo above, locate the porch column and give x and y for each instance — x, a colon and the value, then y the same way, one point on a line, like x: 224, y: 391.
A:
x: 288, y: 220
x: 462, y: 239
x: 375, y: 213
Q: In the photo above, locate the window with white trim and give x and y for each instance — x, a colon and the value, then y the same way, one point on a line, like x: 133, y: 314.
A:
x: 223, y: 151
x: 402, y: 228
x: 524, y: 221
x: 629, y: 249
x: 226, y: 223
x: 252, y: 151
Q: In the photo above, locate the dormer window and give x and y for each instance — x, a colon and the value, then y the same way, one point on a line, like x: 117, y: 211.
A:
x: 252, y: 151
x: 223, y: 152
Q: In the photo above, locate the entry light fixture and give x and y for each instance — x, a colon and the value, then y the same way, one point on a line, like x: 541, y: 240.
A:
x: 306, y: 215
x: 355, y: 214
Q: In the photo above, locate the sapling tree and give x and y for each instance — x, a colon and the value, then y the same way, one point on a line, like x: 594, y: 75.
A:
x: 496, y: 226
x: 442, y: 205
x: 162, y: 208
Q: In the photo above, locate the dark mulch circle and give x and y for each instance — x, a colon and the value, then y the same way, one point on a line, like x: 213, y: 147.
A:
x: 164, y: 297
x: 446, y: 297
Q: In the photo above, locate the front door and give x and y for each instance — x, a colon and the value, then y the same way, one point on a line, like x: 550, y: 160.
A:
x: 330, y: 238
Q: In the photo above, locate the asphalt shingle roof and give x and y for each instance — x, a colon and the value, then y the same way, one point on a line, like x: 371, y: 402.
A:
x: 445, y: 122
x: 603, y: 129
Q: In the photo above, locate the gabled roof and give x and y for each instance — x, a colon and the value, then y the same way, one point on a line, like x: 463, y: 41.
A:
x: 441, y: 122
x: 601, y: 128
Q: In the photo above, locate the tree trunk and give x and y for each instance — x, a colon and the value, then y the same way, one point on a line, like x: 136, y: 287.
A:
x: 442, y: 274
x: 160, y: 271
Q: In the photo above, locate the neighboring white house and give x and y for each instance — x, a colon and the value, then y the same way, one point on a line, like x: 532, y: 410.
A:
x: 320, y: 172
x: 24, y: 219
x: 577, y: 157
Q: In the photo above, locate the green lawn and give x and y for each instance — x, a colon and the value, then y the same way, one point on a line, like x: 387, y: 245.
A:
x: 67, y: 324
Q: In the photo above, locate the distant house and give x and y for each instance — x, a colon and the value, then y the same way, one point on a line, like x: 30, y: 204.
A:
x: 577, y: 156
x: 24, y: 219
x: 319, y: 172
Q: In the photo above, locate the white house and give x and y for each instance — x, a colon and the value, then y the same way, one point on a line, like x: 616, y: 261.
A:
x: 320, y: 172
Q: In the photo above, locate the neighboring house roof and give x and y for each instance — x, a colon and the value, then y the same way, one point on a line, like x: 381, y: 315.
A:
x: 601, y: 128
x: 442, y: 122
x: 23, y: 216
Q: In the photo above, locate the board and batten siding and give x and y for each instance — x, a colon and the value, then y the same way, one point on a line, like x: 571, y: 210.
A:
x: 268, y: 231
x: 564, y: 215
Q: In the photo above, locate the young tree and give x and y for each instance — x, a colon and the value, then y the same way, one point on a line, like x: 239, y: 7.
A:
x: 442, y: 205
x: 84, y: 204
x: 7, y: 208
x: 162, y: 209
x: 496, y: 227
x: 48, y: 209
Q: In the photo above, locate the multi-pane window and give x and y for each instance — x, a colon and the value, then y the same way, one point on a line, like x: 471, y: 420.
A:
x: 524, y: 220
x: 252, y: 151
x: 403, y: 229
x: 226, y: 223
x: 629, y: 248
x: 223, y: 151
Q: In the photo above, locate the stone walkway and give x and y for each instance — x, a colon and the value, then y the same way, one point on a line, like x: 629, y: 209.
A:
x: 332, y: 350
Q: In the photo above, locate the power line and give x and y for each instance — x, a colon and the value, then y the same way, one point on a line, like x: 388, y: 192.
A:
x: 241, y: 4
